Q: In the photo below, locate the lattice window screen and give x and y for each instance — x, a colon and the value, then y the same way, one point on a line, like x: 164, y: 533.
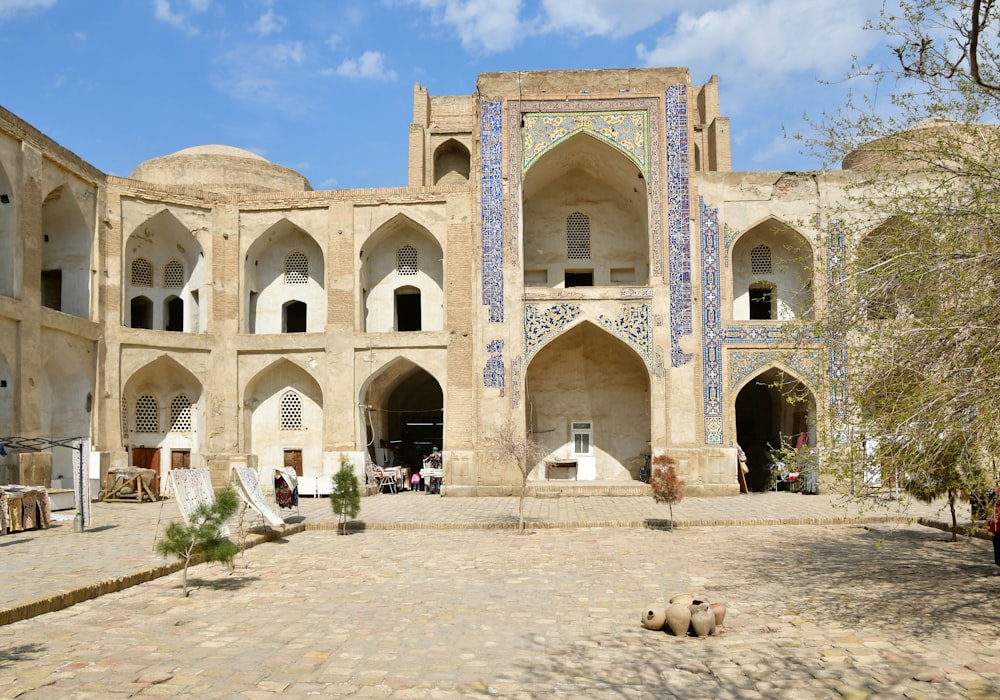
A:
x: 291, y: 412
x: 578, y: 236
x: 147, y: 415
x: 180, y: 414
x: 406, y: 260
x: 173, y: 274
x: 142, y: 273
x: 760, y: 260
x: 296, y: 268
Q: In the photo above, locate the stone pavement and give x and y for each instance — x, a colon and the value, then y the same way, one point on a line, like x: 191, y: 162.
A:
x: 438, y: 597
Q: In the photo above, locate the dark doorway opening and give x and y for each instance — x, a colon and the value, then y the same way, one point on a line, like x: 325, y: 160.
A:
x: 141, y: 311
x: 407, y: 310
x: 762, y: 302
x: 174, y: 311
x: 583, y: 278
x: 52, y: 289
x: 294, y: 320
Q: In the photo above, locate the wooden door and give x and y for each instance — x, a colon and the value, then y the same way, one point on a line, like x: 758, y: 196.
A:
x: 180, y: 459
x: 293, y: 459
x: 146, y: 458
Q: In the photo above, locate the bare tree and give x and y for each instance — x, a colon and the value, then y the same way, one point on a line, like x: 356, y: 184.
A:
x: 916, y: 302
x: 511, y: 444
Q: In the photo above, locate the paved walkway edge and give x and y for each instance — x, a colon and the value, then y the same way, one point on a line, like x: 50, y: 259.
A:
x: 65, y: 599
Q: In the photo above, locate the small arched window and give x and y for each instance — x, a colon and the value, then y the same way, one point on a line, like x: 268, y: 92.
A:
x: 180, y: 414
x: 406, y: 260
x: 296, y: 268
x: 578, y: 236
x: 142, y: 273
x: 760, y: 260
x: 290, y: 417
x: 147, y: 415
x: 173, y: 274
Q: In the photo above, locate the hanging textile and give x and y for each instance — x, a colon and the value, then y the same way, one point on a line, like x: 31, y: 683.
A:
x: 81, y: 479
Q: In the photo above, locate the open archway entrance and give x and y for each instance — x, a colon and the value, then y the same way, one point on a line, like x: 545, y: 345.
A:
x: 404, y: 414
x: 588, y: 403
x: 774, y: 410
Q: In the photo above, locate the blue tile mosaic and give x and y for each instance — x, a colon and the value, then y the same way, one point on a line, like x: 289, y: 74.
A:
x: 632, y: 325
x: 836, y: 247
x: 627, y: 131
x: 678, y: 223
x: 743, y: 363
x: 493, y: 373
x: 711, y: 321
x: 540, y: 326
x: 492, y: 225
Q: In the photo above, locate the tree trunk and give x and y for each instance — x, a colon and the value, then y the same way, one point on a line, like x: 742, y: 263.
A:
x: 954, y: 520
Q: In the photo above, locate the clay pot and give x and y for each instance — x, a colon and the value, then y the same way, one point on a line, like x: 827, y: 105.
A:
x: 654, y: 616
x: 702, y: 619
x: 678, y: 619
x: 683, y: 598
x: 720, y: 612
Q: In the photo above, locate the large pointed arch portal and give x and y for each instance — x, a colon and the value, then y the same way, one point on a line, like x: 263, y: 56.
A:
x: 587, y: 400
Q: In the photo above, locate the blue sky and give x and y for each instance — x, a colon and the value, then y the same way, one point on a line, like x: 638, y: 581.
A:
x: 326, y: 86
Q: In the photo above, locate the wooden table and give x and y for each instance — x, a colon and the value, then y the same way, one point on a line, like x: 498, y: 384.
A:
x: 131, y: 484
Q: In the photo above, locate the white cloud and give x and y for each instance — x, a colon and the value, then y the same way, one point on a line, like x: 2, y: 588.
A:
x: 754, y: 42
x: 164, y: 11
x: 269, y: 23
x: 292, y: 51
x: 486, y: 25
x: 615, y: 18
x: 8, y: 8
x: 370, y: 65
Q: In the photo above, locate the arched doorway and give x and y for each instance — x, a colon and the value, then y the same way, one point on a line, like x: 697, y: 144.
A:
x: 403, y: 407
x: 774, y: 410
x: 587, y: 400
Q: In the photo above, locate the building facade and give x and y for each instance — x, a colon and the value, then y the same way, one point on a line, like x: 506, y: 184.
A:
x: 572, y: 254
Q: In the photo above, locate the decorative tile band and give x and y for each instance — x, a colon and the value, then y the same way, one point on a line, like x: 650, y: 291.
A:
x: 539, y: 326
x: 491, y: 155
x: 627, y: 131
x: 678, y: 226
x: 632, y: 325
x: 493, y: 373
x: 743, y: 363
x: 711, y: 327
x: 836, y: 260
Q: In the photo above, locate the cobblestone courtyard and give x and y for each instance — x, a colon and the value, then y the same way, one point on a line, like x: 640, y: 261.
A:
x: 815, y: 611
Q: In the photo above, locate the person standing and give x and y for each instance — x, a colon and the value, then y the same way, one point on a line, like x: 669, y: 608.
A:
x: 993, y: 525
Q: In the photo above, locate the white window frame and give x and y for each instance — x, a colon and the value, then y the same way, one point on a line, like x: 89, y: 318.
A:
x: 582, y: 429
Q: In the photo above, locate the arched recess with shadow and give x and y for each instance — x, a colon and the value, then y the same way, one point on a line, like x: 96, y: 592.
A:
x: 587, y: 396
x: 66, y: 244
x: 402, y: 412
x: 452, y: 163
x: 285, y: 264
x: 773, y: 409
x: 10, y: 250
x: 164, y: 417
x: 283, y: 410
x: 67, y: 401
x: 586, y: 217
x: 401, y: 255
x: 772, y: 267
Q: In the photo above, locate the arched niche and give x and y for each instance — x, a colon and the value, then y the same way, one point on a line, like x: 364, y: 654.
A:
x: 156, y: 435
x: 283, y: 406
x: 401, y: 253
x: 176, y: 267
x: 66, y: 400
x: 10, y: 250
x: 772, y: 274
x: 66, y: 243
x: 583, y: 176
x: 452, y: 163
x: 774, y: 409
x: 402, y: 412
x: 285, y: 263
x: 587, y: 380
